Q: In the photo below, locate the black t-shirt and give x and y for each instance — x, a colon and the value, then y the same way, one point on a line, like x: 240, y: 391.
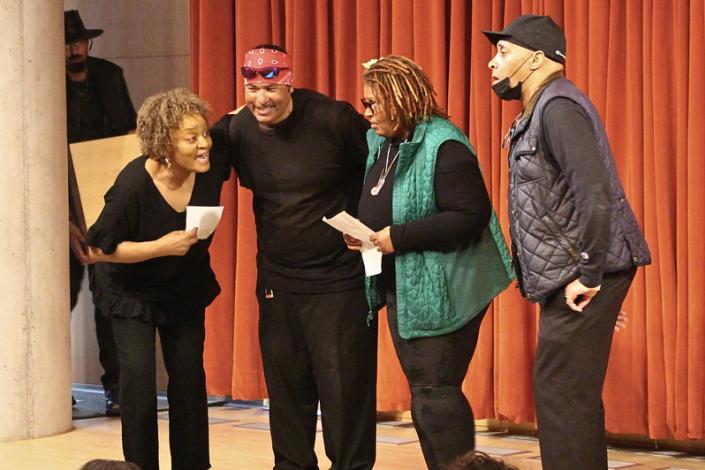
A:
x: 308, y: 166
x: 157, y: 289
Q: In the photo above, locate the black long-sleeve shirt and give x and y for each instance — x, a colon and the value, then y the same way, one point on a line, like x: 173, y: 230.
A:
x: 308, y: 166
x: 570, y: 139
x: 462, y: 199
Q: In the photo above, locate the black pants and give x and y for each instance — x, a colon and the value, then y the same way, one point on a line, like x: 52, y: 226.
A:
x: 319, y: 347
x: 182, y: 347
x: 435, y: 368
x: 571, y: 363
x: 107, y: 349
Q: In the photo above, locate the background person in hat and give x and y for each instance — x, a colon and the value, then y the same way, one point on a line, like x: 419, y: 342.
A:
x: 303, y: 156
x: 575, y: 239
x: 98, y: 105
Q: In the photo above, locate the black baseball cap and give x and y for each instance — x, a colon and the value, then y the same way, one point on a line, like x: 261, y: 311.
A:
x: 533, y: 32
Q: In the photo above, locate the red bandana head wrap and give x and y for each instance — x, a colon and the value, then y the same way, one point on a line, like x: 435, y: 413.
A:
x: 267, y: 66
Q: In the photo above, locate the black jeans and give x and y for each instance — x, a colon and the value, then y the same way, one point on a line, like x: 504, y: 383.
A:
x: 435, y: 368
x: 182, y: 347
x: 571, y: 364
x: 319, y: 347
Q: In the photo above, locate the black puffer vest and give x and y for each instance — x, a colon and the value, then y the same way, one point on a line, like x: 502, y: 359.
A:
x: 544, y: 224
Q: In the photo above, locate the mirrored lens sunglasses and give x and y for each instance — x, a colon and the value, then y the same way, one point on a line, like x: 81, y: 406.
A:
x: 266, y: 72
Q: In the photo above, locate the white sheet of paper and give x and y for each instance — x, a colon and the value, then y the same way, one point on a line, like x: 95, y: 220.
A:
x: 206, y: 218
x: 345, y: 223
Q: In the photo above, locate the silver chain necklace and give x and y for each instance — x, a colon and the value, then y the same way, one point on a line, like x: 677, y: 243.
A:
x: 385, y: 172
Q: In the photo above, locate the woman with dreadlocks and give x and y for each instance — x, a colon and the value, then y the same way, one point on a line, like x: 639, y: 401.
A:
x: 444, y: 255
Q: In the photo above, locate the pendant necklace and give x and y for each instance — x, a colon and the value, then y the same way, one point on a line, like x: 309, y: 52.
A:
x: 387, y: 168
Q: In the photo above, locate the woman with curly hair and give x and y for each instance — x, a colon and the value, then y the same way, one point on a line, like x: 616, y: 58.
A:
x: 444, y: 255
x: 152, y: 275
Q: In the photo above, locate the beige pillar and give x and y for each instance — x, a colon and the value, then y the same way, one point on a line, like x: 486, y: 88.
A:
x: 35, y: 376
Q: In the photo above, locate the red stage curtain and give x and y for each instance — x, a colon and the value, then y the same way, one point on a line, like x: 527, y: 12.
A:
x: 642, y: 64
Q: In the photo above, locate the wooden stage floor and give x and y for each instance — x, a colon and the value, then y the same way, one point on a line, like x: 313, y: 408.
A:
x: 239, y: 439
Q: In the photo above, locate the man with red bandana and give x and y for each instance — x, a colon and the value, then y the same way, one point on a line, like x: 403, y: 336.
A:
x: 303, y: 156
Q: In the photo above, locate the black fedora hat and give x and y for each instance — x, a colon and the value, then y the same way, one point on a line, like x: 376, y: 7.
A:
x: 75, y: 30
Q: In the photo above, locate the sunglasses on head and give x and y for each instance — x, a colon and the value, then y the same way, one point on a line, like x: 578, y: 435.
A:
x: 368, y: 104
x: 266, y: 72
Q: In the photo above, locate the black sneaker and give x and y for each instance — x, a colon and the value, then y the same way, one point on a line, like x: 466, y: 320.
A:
x: 73, y: 401
x: 112, y: 403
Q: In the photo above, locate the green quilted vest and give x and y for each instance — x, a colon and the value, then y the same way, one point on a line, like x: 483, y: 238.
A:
x: 437, y: 293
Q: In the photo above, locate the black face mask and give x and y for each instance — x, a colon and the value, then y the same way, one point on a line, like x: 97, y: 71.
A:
x: 506, y: 92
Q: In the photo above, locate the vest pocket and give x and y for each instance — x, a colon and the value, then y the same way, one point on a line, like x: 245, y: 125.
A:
x: 570, y: 247
x: 528, y: 166
x: 423, y: 304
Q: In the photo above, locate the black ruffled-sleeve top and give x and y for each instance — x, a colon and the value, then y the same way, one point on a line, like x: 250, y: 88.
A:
x: 158, y: 289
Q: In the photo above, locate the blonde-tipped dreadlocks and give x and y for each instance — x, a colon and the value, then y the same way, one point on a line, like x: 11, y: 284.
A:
x: 403, y: 90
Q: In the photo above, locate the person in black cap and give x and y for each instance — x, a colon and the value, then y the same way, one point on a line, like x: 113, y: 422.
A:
x: 576, y: 242
x: 98, y: 105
